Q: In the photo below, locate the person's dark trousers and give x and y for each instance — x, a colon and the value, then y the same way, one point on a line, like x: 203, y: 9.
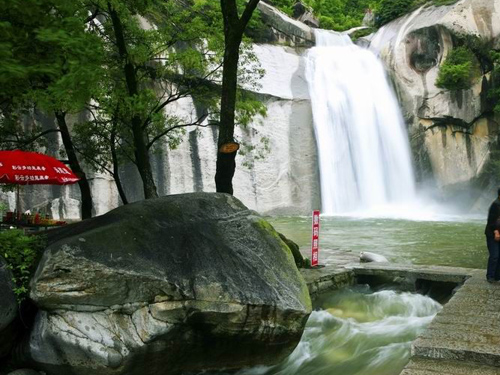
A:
x: 493, y: 271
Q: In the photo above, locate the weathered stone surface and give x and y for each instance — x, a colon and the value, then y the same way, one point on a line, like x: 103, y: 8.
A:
x: 8, y: 310
x: 468, y: 327
x: 287, y: 30
x: 183, y: 283
x: 294, y: 248
x: 451, y: 132
x: 24, y: 372
x: 421, y: 366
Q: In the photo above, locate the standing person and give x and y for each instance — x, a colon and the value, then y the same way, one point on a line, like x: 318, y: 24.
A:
x: 492, y: 232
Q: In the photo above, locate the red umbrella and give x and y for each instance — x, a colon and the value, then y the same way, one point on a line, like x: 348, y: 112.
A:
x: 32, y: 168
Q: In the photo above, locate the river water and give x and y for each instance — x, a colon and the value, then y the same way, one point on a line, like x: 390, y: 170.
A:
x: 448, y: 241
x: 357, y: 332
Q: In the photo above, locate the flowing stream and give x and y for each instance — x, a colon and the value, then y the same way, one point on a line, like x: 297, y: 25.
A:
x: 364, y: 153
x: 357, y: 332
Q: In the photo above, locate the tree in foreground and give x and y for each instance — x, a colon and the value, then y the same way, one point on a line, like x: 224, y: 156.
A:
x: 49, y: 63
x: 234, y: 27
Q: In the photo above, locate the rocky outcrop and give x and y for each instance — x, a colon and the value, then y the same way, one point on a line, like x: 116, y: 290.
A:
x: 24, y: 372
x: 8, y: 310
x: 451, y: 132
x: 184, y: 283
x: 286, y: 30
x: 305, y: 14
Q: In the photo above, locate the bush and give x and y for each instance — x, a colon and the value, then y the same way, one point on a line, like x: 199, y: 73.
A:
x: 389, y: 10
x: 22, y: 254
x: 494, y: 93
x: 457, y: 71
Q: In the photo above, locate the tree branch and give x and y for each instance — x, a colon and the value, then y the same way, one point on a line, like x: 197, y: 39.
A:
x: 247, y: 14
x: 31, y: 140
x: 166, y: 131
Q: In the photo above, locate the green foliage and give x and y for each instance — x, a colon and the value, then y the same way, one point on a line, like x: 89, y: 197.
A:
x: 342, y: 15
x: 3, y: 208
x: 361, y: 33
x: 389, y: 10
x: 22, y: 254
x: 457, y: 72
x: 494, y: 93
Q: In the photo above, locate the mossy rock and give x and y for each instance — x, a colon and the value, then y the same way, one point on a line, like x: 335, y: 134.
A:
x: 196, y: 276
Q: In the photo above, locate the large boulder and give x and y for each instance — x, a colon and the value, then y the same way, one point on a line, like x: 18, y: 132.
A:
x: 8, y: 310
x: 452, y: 132
x: 176, y: 284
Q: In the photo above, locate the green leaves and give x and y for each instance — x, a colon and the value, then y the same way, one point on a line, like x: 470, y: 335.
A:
x: 458, y: 70
x: 22, y: 254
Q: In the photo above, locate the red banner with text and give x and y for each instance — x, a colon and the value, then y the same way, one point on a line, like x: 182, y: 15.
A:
x: 315, y: 239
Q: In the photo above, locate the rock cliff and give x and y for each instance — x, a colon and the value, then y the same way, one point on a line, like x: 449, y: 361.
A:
x: 452, y: 133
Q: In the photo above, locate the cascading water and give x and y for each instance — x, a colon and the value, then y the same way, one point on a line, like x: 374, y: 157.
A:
x: 364, y: 152
x: 357, y: 332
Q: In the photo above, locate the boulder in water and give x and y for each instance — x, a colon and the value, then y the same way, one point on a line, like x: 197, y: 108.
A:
x: 178, y: 284
x: 366, y: 256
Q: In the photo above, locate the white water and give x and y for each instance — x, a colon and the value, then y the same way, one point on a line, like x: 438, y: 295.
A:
x: 364, y: 152
x: 358, y: 333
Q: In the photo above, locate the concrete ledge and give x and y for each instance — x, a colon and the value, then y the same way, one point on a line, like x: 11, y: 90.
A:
x: 412, y: 272
x: 420, y: 366
x: 327, y: 278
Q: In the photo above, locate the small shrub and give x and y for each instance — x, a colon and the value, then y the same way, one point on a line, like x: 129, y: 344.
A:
x: 494, y: 93
x: 22, y: 254
x: 458, y: 70
x: 361, y: 33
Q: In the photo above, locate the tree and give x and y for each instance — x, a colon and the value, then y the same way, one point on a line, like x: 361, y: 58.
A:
x: 157, y: 53
x: 234, y: 27
x: 50, y: 63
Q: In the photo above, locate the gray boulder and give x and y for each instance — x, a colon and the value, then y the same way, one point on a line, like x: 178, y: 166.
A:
x: 24, y: 371
x: 8, y: 310
x: 178, y: 284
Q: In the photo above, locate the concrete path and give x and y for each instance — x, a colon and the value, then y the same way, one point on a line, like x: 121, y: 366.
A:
x: 463, y: 339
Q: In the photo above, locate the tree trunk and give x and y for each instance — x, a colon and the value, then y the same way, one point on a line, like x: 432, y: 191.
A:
x: 139, y: 137
x: 75, y: 166
x: 226, y: 163
x: 116, y: 171
x: 234, y: 26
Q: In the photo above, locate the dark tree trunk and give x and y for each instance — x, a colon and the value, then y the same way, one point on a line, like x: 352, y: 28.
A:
x: 234, y: 26
x: 75, y: 166
x: 226, y: 163
x: 116, y: 171
x: 139, y: 137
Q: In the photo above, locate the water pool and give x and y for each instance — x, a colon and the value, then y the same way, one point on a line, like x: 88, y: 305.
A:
x: 456, y: 242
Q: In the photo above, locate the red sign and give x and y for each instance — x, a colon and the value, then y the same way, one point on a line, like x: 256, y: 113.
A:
x: 315, y: 238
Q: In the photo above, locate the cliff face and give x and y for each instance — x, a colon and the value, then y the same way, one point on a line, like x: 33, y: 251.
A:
x: 452, y: 133
x: 283, y: 180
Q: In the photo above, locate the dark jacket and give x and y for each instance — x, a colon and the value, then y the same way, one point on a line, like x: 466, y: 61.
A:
x: 493, y: 218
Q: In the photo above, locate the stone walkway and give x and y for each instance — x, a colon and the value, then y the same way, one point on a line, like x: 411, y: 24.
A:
x: 463, y: 339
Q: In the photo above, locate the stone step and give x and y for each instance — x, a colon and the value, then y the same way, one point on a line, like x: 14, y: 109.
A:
x: 421, y: 366
x: 468, y: 327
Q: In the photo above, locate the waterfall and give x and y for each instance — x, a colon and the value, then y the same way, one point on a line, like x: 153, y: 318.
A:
x: 364, y: 153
